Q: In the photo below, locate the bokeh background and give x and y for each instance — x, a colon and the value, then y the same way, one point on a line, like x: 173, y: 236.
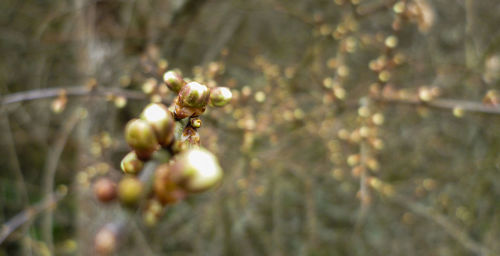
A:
x: 362, y: 127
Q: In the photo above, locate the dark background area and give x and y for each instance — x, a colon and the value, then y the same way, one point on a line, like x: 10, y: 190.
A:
x: 317, y: 159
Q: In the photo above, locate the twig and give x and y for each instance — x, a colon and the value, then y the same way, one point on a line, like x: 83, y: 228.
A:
x: 69, y: 91
x: 449, y: 227
x: 50, y: 171
x: 29, y: 213
x: 441, y: 103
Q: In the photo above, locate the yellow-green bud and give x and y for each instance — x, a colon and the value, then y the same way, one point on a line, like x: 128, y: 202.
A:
x: 141, y: 137
x: 162, y: 121
x: 220, y: 96
x: 131, y: 164
x: 173, y: 79
x: 194, y: 95
x: 196, y: 170
x: 129, y: 190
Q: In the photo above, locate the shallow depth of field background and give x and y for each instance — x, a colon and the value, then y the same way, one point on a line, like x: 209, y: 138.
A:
x: 315, y: 161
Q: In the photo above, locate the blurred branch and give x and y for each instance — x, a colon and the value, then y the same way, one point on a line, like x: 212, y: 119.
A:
x: 69, y: 91
x: 29, y: 213
x: 440, y: 103
x: 449, y: 227
x: 50, y: 170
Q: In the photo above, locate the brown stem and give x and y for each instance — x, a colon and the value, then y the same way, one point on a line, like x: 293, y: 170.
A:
x: 29, y: 213
x: 69, y: 91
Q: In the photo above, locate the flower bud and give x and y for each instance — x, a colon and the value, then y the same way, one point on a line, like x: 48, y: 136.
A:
x: 105, y: 241
x: 196, y: 170
x: 129, y: 190
x: 141, y: 137
x: 194, y: 95
x: 173, y: 79
x: 105, y: 190
x: 161, y: 120
x: 131, y: 164
x: 195, y: 122
x: 182, y: 112
x: 166, y: 191
x: 220, y: 96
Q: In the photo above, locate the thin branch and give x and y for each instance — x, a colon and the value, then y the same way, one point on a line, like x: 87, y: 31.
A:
x: 70, y: 91
x: 441, y: 103
x: 50, y: 170
x: 29, y: 213
x: 455, y: 231
x: 448, y: 226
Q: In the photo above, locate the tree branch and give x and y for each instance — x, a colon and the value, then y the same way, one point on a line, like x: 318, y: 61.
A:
x: 70, y: 91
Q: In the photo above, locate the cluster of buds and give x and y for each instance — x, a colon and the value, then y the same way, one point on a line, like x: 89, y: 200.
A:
x: 168, y: 138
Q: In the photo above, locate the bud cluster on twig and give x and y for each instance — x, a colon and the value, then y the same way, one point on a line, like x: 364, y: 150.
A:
x: 167, y: 137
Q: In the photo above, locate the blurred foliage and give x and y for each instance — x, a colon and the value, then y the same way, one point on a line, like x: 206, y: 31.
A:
x: 316, y: 162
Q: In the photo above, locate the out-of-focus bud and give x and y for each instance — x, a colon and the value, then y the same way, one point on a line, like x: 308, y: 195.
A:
x: 166, y: 191
x: 160, y: 118
x: 425, y: 94
x: 194, y: 95
x: 105, y: 241
x: 173, y: 79
x: 131, y: 164
x: 196, y: 170
x: 220, y: 96
x: 141, y: 137
x: 105, y: 190
x: 129, y: 190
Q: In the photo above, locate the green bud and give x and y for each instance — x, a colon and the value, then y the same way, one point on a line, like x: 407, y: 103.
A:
x: 194, y: 95
x: 131, y: 164
x: 220, y: 96
x: 162, y: 121
x: 141, y: 137
x: 196, y: 170
x: 174, y: 80
x: 195, y: 122
x: 129, y: 190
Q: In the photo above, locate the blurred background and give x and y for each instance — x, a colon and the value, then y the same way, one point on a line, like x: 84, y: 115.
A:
x: 358, y: 127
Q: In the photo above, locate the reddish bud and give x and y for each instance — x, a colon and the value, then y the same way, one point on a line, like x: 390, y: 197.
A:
x: 105, y: 241
x: 105, y: 190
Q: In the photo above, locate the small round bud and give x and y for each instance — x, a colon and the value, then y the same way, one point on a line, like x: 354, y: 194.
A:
x: 196, y: 170
x: 105, y: 190
x: 195, y: 122
x: 194, y: 95
x: 141, y: 137
x: 131, y: 164
x: 220, y: 96
x: 173, y: 79
x: 129, y: 190
x: 160, y: 118
x: 105, y: 241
